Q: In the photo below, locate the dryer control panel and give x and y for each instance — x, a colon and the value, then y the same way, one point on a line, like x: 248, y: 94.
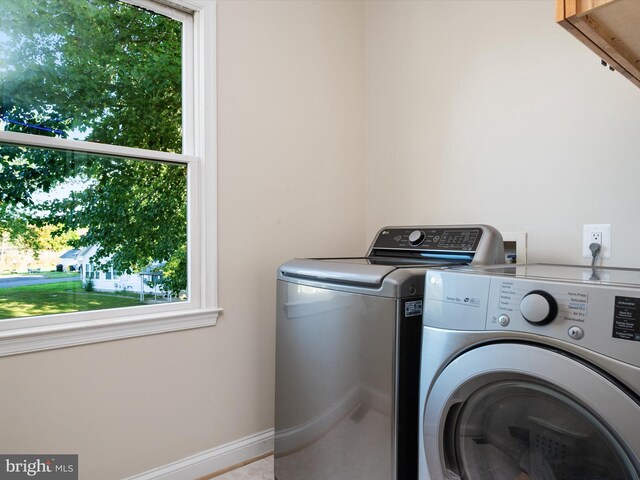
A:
x: 594, y: 316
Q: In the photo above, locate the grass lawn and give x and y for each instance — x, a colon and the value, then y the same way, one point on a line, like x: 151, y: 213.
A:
x: 62, y: 297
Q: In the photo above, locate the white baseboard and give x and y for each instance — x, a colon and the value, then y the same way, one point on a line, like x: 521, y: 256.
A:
x: 214, y: 460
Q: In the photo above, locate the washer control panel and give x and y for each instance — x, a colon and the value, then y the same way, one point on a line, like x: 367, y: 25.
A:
x: 454, y: 239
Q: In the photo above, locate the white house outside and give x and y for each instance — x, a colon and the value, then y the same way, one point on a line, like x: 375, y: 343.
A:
x: 69, y: 261
x: 109, y: 280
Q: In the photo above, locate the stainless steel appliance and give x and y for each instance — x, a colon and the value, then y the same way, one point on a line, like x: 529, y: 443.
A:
x: 348, y: 352
x: 531, y: 372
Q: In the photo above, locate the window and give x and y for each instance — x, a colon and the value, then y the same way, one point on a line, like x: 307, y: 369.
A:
x: 102, y: 163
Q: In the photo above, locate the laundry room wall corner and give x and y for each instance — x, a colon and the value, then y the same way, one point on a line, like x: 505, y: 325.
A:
x: 501, y: 118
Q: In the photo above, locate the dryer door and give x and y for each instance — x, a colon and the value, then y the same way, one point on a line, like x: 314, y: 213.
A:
x: 521, y: 412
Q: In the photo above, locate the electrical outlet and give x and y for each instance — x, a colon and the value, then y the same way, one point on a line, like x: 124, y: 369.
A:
x: 596, y: 233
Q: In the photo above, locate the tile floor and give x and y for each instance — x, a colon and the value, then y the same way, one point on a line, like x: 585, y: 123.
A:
x: 259, y: 470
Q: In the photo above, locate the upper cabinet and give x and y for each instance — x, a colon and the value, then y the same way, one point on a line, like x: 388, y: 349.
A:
x: 611, y: 28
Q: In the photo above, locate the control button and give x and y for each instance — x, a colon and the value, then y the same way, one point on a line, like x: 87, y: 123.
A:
x: 538, y: 307
x: 576, y: 333
x: 503, y: 320
x: 416, y: 238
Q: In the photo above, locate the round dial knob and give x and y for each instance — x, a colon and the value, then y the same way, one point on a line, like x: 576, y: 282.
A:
x: 538, y: 307
x: 416, y: 237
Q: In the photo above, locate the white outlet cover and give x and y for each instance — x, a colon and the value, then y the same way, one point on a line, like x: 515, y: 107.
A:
x: 605, y: 228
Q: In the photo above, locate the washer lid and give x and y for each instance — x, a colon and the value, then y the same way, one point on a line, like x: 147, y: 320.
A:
x: 367, y: 272
x: 354, y: 271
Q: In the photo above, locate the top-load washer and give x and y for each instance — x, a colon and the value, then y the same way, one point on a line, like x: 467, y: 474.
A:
x: 531, y: 372
x: 348, y: 352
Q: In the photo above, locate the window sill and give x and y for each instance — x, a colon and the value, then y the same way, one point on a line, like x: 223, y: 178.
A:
x: 33, y: 339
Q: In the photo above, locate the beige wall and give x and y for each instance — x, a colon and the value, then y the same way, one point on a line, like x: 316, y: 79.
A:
x: 476, y: 111
x: 487, y: 111
x: 291, y: 153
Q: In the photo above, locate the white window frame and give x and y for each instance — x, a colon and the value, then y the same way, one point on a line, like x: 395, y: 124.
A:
x: 28, y: 334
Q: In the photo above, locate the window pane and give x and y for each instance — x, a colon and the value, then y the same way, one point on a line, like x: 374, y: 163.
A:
x: 95, y: 70
x: 65, y: 217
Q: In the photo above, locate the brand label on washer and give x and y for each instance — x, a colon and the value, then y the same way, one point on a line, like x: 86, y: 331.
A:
x: 413, y: 308
x: 626, y: 318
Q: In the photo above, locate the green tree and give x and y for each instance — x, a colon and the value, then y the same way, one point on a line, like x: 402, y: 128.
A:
x: 16, y: 229
x: 107, y: 72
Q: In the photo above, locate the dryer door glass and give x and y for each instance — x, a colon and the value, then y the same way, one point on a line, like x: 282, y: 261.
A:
x: 519, y: 430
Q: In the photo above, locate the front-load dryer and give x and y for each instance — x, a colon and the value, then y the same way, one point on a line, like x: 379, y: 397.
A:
x: 531, y: 372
